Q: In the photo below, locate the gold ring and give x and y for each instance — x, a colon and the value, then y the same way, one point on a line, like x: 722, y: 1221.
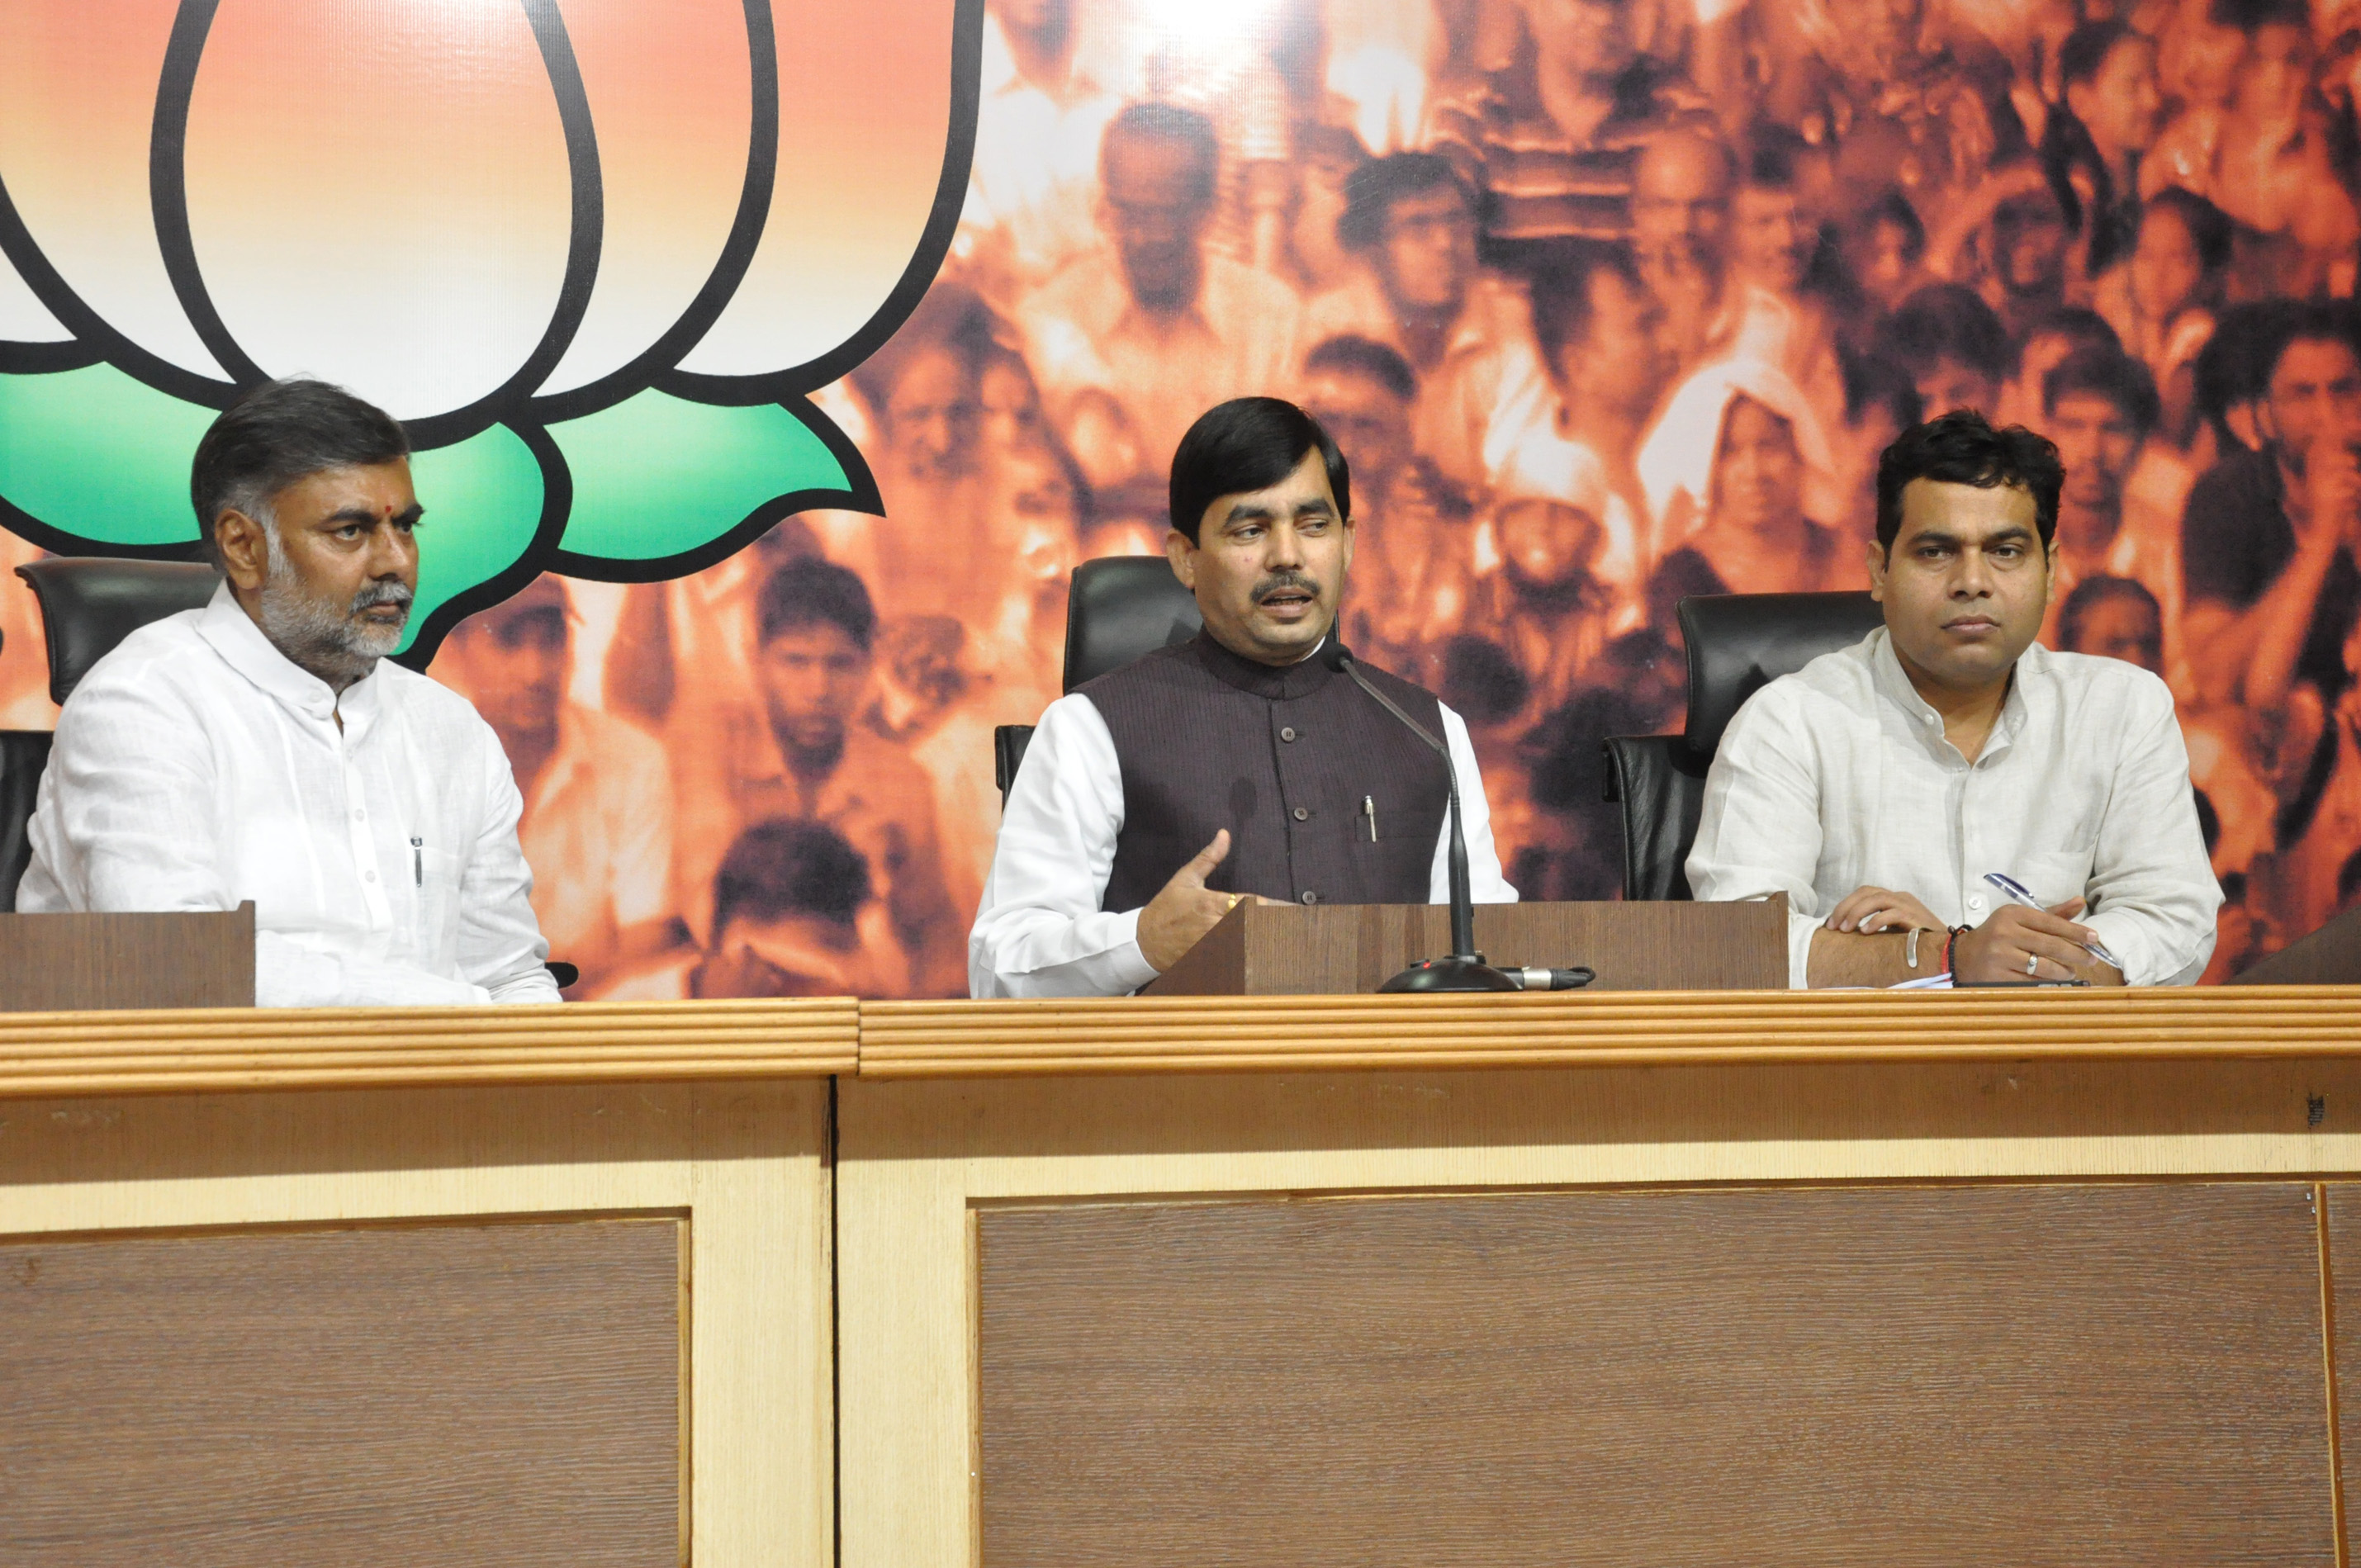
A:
x: 1233, y: 899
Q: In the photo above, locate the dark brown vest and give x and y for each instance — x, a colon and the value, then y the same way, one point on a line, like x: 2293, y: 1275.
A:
x: 1282, y: 758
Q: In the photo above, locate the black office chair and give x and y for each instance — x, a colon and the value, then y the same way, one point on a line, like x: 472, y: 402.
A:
x: 1737, y: 644
x: 91, y: 603
x: 1118, y: 608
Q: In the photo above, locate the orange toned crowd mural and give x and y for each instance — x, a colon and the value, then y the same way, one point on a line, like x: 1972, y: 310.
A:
x: 772, y: 364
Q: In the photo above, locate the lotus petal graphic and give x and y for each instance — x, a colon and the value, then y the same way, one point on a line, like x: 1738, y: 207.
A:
x: 594, y: 253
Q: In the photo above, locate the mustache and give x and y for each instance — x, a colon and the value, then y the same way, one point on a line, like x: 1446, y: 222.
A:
x: 1279, y: 582
x: 377, y: 594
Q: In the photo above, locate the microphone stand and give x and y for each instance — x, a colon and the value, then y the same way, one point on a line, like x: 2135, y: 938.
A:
x: 1465, y: 968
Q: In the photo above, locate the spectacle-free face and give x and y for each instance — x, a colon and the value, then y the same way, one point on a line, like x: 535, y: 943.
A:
x: 1268, y: 566
x: 1966, y: 583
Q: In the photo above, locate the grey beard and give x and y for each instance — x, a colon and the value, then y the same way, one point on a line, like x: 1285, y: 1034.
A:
x: 329, y: 640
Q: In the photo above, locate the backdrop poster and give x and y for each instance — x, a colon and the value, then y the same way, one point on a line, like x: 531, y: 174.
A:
x: 771, y: 364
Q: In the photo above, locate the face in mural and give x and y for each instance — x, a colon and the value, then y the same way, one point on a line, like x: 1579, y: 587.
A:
x: 1369, y: 421
x: 1546, y: 544
x: 813, y: 680
x: 2098, y: 443
x: 1157, y: 199
x: 1268, y: 566
x: 1428, y: 253
x: 1680, y: 203
x: 1585, y: 38
x: 2120, y: 106
x: 1966, y: 583
x: 1758, y: 474
x: 2315, y: 398
x: 511, y: 660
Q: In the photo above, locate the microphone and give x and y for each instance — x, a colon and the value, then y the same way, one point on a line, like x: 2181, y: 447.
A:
x: 1466, y: 968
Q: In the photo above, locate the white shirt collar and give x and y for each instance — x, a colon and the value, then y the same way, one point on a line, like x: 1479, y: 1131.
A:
x: 232, y: 632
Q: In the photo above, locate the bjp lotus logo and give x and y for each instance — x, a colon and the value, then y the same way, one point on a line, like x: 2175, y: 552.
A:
x: 594, y: 253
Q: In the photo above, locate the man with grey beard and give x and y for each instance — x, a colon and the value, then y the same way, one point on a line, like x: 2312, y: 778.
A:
x: 260, y: 748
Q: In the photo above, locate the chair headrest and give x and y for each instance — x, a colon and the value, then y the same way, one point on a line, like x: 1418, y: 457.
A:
x: 91, y: 603
x: 1738, y: 643
x: 1123, y: 607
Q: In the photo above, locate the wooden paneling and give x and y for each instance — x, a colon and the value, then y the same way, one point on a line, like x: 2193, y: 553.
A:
x: 2045, y: 1375
x: 1342, y: 950
x: 354, y: 1048
x: 63, y: 962
x: 922, y: 1039
x: 747, y: 1162
x: 487, y: 1394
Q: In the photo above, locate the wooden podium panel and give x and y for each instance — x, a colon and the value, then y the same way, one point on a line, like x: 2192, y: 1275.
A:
x: 495, y: 1285
x: 373, y: 1395
x: 1287, y: 950
x: 2067, y: 1374
x: 59, y: 963
x: 1685, y: 1279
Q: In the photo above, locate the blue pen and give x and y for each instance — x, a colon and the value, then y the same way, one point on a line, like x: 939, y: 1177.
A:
x: 2019, y: 893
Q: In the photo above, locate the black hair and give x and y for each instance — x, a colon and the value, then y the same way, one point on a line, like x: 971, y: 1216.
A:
x: 2213, y: 231
x: 1946, y: 321
x: 2089, y: 594
x: 1371, y: 190
x: 2112, y: 375
x: 2313, y: 321
x: 780, y: 869
x: 1480, y: 682
x: 2080, y: 325
x: 809, y: 591
x: 1561, y: 303
x: 1894, y: 207
x: 1874, y: 382
x: 1349, y: 354
x: 1248, y: 444
x: 1770, y: 154
x: 1168, y: 121
x: 279, y: 433
x: 2235, y: 367
x: 1962, y: 448
x: 2086, y: 48
x: 2251, y: 16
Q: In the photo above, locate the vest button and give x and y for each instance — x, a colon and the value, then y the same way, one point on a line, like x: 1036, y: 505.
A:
x: 1287, y: 733
x: 1302, y: 814
x: 1311, y: 898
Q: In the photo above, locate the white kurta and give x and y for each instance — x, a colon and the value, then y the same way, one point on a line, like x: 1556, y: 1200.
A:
x: 1040, y: 931
x: 195, y: 767
x: 1838, y: 777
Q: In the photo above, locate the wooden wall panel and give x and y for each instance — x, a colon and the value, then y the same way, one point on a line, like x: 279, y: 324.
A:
x: 399, y: 1394
x: 1891, y: 1376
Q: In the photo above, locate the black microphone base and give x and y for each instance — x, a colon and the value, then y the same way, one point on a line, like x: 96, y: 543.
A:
x: 1450, y: 975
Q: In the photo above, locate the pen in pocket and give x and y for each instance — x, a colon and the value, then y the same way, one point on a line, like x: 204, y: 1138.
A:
x: 417, y: 863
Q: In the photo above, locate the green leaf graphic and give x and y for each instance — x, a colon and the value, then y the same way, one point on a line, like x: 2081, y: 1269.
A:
x: 94, y: 454
x: 483, y: 501
x: 656, y: 476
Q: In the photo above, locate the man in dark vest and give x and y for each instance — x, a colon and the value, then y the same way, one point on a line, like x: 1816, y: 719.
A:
x: 1243, y: 763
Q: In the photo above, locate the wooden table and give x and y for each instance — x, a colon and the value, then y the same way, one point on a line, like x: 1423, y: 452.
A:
x: 1712, y: 1278
x: 1666, y: 1277
x: 476, y: 1285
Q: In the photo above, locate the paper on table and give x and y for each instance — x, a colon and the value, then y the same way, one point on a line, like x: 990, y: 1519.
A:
x: 1932, y: 983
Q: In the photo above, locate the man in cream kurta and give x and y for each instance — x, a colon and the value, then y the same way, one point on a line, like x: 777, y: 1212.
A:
x: 261, y: 748
x: 1882, y: 785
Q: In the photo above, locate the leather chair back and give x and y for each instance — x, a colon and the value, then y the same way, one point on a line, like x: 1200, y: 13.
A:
x: 1121, y: 608
x: 1118, y: 608
x: 1737, y: 644
x: 89, y: 604
x: 24, y: 753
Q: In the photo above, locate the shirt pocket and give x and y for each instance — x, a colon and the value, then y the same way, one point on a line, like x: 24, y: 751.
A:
x: 2055, y: 876
x: 436, y: 872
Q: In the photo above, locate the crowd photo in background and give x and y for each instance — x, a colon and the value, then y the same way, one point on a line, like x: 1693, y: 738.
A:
x: 1608, y: 303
